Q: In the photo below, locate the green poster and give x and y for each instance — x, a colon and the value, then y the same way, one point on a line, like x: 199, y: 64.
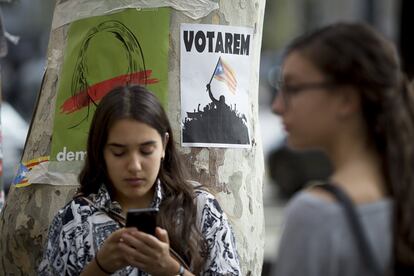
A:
x: 103, y: 52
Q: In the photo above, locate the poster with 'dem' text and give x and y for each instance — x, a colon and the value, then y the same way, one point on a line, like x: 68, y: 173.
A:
x: 215, y: 78
x: 129, y: 47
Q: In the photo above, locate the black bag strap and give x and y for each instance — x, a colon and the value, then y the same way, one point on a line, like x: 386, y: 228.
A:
x: 360, y: 236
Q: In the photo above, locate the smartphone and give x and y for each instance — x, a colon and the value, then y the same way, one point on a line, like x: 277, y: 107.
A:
x: 144, y: 219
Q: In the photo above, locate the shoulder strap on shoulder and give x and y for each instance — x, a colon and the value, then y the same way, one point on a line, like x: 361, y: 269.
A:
x: 113, y: 215
x: 356, y: 226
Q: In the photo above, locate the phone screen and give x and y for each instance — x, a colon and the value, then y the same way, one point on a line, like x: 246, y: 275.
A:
x: 143, y: 219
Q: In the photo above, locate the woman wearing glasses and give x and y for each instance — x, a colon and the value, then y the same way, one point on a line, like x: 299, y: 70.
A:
x: 342, y: 91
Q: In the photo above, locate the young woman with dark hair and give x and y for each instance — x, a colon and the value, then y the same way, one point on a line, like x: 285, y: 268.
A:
x: 342, y: 91
x: 132, y: 162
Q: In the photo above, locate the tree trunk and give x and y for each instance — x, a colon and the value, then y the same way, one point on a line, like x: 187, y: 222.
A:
x: 235, y: 175
x: 2, y: 195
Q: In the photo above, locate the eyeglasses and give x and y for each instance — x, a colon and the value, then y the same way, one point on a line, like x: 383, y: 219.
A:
x: 288, y: 90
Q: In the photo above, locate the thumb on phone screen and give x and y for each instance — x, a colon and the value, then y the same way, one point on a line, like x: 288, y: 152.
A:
x: 162, y: 234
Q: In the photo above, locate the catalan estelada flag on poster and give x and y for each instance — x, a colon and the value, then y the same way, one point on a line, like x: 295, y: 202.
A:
x: 226, y: 74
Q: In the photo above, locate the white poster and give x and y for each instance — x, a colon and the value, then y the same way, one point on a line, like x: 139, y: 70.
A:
x: 215, y: 70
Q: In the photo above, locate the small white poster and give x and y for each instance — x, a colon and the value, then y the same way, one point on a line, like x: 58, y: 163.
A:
x: 215, y: 71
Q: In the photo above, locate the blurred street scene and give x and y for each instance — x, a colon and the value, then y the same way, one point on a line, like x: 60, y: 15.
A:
x: 288, y: 171
x: 28, y: 21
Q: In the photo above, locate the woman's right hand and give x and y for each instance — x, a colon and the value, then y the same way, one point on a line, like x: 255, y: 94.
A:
x: 110, y: 257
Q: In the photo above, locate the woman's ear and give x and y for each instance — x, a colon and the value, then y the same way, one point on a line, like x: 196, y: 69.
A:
x: 166, y: 138
x: 349, y: 102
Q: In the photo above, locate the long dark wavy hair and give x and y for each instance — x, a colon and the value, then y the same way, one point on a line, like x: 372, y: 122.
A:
x: 357, y: 55
x: 178, y: 210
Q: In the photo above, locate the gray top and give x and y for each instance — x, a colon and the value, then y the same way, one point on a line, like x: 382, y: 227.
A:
x: 317, y: 239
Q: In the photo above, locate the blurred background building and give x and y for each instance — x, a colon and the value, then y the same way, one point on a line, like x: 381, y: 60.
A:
x: 287, y: 171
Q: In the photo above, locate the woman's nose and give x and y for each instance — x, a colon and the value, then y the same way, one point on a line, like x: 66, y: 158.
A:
x: 278, y: 103
x: 134, y: 163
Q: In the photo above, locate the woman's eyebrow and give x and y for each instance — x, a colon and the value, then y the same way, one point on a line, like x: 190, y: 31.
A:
x: 118, y: 145
x: 149, y: 143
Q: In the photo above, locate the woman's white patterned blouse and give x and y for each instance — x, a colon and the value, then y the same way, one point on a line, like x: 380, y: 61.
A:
x: 79, y: 230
